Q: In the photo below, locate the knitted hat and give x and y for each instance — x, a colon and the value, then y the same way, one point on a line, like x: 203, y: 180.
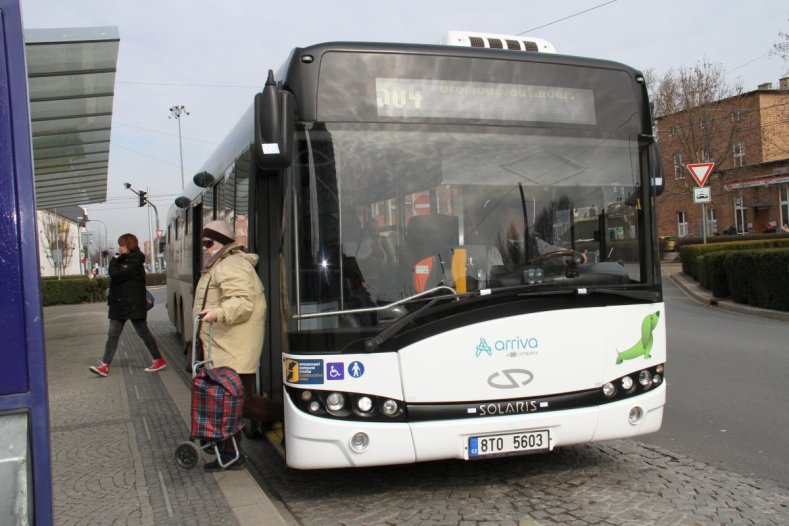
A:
x: 219, y: 231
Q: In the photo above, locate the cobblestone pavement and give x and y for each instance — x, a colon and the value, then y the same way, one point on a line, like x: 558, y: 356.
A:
x: 113, y: 438
x: 614, y: 483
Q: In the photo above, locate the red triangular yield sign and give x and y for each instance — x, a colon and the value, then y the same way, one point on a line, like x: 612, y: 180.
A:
x: 700, y: 171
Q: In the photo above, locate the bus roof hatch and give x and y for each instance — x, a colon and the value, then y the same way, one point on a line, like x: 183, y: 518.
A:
x: 490, y: 40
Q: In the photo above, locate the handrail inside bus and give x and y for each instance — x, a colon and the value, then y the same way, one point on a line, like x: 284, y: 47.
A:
x: 372, y: 309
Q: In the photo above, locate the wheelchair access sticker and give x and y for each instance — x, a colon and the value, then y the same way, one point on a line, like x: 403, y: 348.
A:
x: 304, y: 371
x: 335, y: 370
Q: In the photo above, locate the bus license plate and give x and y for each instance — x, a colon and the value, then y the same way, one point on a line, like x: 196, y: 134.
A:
x: 511, y: 443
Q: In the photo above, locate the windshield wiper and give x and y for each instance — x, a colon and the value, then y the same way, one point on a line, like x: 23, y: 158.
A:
x: 373, y: 343
x: 377, y: 309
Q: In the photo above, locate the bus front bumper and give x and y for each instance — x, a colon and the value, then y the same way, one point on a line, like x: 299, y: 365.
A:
x: 317, y: 443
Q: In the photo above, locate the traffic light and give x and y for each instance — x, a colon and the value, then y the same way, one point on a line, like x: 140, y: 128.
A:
x: 142, y: 197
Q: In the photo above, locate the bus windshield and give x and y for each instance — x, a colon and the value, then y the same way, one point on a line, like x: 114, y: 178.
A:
x: 388, y: 210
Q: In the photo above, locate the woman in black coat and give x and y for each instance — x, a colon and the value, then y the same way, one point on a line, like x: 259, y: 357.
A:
x: 127, y: 302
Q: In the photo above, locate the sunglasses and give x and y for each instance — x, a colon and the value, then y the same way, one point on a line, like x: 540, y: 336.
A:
x: 207, y: 243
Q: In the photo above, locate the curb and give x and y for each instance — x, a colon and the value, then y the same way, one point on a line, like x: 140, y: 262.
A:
x: 702, y: 295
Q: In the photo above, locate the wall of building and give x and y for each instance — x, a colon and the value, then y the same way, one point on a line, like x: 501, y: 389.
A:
x: 749, y: 190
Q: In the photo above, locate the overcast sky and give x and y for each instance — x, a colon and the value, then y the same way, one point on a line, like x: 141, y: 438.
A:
x: 213, y: 56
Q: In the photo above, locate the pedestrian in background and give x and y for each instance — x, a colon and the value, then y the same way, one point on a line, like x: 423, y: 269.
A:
x: 127, y: 302
x: 230, y: 296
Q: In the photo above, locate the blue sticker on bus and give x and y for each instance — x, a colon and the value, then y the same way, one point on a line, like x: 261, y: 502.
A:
x: 304, y: 371
x: 356, y: 369
x: 335, y: 371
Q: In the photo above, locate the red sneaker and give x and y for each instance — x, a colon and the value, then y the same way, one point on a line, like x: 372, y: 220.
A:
x: 103, y: 369
x: 157, y: 365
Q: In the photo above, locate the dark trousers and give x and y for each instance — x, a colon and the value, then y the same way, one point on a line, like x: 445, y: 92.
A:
x: 116, y: 328
x: 256, y: 409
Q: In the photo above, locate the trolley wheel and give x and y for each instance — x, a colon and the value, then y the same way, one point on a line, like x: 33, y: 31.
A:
x: 187, y: 454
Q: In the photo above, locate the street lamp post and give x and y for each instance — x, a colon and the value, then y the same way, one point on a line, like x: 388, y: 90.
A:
x: 175, y: 113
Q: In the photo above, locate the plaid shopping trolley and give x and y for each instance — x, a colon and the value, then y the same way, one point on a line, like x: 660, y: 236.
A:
x: 217, y: 406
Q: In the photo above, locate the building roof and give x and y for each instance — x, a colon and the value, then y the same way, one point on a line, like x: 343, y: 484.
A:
x: 71, y: 84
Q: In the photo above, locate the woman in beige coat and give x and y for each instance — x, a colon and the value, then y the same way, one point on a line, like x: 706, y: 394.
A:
x: 230, y: 296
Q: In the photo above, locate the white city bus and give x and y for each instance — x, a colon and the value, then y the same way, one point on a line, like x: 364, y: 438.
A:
x: 458, y: 246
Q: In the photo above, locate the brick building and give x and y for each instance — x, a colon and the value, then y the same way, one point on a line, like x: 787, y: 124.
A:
x: 747, y: 137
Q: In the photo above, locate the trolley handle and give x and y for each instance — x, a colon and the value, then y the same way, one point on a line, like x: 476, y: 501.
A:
x: 206, y: 361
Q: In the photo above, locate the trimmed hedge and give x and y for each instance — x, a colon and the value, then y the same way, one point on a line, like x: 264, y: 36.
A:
x: 759, y: 278
x: 155, y: 278
x: 725, y: 238
x: 711, y: 274
x: 689, y: 254
x: 70, y: 290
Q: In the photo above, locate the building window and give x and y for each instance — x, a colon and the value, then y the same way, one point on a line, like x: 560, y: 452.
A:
x: 783, y: 197
x: 737, y: 115
x: 705, y: 123
x: 712, y: 222
x: 739, y: 215
x: 674, y: 129
x: 679, y: 168
x: 682, y: 225
x: 739, y: 154
x: 706, y: 155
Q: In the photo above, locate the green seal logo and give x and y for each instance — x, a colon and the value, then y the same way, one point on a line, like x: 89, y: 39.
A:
x: 644, y: 346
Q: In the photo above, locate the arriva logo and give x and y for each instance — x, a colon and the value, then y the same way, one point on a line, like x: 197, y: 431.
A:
x: 483, y: 347
x: 514, y: 344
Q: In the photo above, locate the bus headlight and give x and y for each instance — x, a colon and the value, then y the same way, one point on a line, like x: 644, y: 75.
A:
x: 335, y: 402
x: 627, y: 383
x: 364, y: 404
x: 609, y: 390
x: 645, y: 378
x: 390, y: 408
x: 347, y: 405
x: 359, y: 442
x: 635, y: 416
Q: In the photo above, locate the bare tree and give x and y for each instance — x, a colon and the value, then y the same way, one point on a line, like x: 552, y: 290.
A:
x: 781, y: 48
x: 58, y: 241
x: 699, y: 111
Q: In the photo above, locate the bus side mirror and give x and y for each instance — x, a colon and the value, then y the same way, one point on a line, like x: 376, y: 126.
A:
x: 655, y: 165
x: 274, y: 116
x: 657, y: 171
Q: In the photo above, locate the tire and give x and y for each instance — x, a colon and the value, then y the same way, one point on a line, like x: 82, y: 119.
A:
x: 187, y: 454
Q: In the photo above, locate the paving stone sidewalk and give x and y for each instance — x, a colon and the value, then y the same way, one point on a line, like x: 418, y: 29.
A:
x: 113, y: 438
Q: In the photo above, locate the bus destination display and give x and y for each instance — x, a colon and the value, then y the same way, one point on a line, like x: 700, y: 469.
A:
x: 409, y: 98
